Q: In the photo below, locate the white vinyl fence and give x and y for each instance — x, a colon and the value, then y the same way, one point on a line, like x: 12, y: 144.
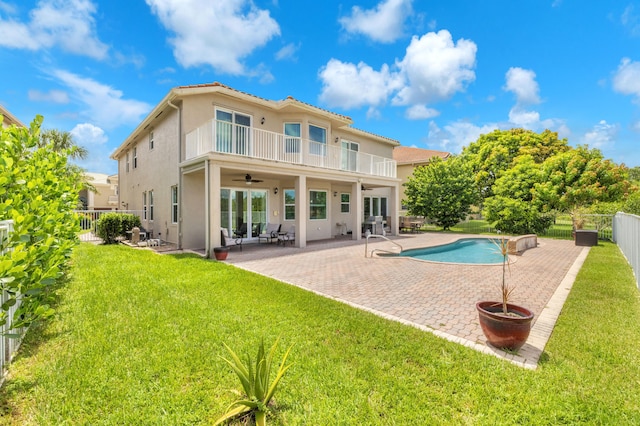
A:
x: 626, y: 234
x: 8, y: 345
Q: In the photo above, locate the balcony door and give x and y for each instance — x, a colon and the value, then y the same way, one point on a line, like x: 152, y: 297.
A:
x: 243, y: 211
x: 232, y: 132
x: 349, y: 156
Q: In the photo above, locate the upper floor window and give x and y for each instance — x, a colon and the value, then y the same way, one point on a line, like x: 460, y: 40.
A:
x: 318, y: 136
x: 135, y: 158
x: 317, y: 205
x: 349, y: 158
x: 127, y: 162
x: 292, y: 137
x: 289, y: 204
x: 151, y: 141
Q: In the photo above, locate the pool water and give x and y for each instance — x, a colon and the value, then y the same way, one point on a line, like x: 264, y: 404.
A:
x: 482, y: 251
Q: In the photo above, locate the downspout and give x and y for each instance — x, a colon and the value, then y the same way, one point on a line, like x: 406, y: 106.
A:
x: 179, y: 171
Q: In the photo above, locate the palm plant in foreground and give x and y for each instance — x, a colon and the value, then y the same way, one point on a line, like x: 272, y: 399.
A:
x: 255, y: 382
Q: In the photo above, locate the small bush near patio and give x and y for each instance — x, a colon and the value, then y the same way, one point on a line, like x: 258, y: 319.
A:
x: 139, y: 340
x: 110, y: 226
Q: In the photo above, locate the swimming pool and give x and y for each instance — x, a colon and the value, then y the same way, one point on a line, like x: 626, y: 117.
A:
x: 478, y: 251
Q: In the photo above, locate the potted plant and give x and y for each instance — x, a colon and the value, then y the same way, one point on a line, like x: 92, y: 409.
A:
x: 506, y: 326
x: 221, y: 252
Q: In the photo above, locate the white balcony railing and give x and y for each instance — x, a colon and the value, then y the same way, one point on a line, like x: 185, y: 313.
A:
x: 229, y: 138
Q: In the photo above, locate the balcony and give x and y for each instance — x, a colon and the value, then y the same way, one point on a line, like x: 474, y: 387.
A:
x: 234, y: 139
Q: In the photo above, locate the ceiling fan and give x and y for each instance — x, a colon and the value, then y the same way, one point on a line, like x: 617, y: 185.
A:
x: 248, y: 180
x: 365, y: 189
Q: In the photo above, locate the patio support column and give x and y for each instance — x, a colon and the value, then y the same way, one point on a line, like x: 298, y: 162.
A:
x: 356, y: 194
x: 394, y: 208
x: 214, y: 205
x: 302, y: 211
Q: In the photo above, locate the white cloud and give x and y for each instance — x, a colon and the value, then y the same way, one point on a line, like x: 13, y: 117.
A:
x: 68, y: 24
x: 523, y: 118
x: 87, y: 134
x: 350, y: 86
x: 627, y: 78
x: 288, y: 52
x: 456, y: 135
x: 635, y: 126
x: 421, y: 112
x: 55, y: 96
x: 106, y: 107
x: 435, y: 68
x: 216, y: 33
x: 602, y: 135
x: 631, y: 20
x: 383, y: 24
x: 523, y: 84
x: 94, y: 140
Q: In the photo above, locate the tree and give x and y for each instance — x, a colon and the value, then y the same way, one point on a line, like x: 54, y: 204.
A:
x: 38, y: 192
x: 512, y: 208
x: 634, y: 175
x: 494, y: 153
x: 61, y: 141
x: 580, y: 177
x: 443, y: 191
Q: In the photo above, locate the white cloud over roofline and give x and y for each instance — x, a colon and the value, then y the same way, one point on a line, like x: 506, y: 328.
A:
x: 216, y: 33
x: 434, y: 69
x: 105, y: 105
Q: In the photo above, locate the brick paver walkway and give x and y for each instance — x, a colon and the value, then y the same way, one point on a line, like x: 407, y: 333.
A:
x: 436, y: 297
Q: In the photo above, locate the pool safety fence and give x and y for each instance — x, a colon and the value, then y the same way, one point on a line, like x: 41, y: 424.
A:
x: 626, y: 234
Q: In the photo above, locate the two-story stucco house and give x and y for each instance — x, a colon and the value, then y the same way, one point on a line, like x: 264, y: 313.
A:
x: 210, y: 157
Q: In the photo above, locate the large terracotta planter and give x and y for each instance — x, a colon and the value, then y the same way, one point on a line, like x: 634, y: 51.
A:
x: 504, y: 331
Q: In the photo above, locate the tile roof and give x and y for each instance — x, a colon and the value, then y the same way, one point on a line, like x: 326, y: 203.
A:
x: 409, y: 155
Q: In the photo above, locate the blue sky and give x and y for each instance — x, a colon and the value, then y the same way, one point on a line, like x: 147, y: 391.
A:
x: 431, y: 74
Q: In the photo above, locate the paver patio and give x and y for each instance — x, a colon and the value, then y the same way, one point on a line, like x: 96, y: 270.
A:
x: 432, y: 296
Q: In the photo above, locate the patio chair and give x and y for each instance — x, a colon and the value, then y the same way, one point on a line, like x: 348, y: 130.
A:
x: 241, y: 232
x: 405, y: 224
x: 228, y: 241
x: 270, y: 233
x: 290, y: 236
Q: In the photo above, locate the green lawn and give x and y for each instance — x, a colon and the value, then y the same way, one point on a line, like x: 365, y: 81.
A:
x: 139, y: 336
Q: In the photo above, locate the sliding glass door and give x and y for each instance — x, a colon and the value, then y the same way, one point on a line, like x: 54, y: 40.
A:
x: 243, y: 211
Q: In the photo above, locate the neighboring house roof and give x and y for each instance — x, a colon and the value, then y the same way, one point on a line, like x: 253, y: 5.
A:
x: 9, y: 118
x: 416, y: 156
x: 289, y: 104
x: 101, y: 178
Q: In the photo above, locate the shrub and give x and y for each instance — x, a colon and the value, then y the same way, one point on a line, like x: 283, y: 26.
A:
x: 110, y: 226
x: 39, y: 192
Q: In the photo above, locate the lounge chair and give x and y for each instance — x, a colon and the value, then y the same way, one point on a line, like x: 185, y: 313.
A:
x: 290, y: 235
x: 228, y: 241
x: 270, y: 233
